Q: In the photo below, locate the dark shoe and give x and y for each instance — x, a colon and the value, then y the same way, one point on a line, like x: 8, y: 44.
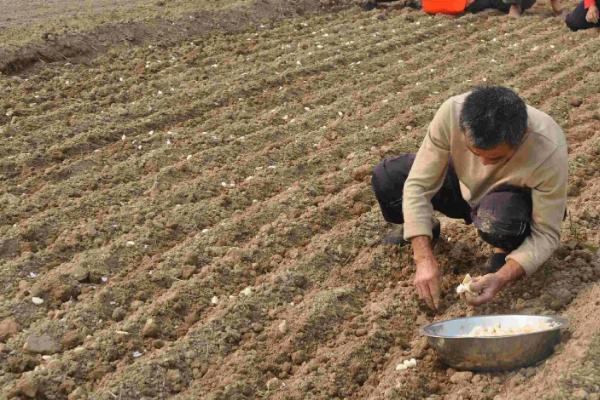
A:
x: 395, y: 234
x: 495, y: 262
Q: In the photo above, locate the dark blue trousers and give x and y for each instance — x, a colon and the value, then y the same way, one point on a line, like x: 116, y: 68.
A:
x: 502, y: 218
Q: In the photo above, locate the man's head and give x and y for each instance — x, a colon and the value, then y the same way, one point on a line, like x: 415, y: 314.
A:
x: 494, y: 120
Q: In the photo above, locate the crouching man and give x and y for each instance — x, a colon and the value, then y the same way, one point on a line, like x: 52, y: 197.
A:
x: 491, y: 160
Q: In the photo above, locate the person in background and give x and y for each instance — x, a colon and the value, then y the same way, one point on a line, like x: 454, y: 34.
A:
x: 369, y: 5
x: 584, y: 16
x: 454, y: 7
x: 514, y: 8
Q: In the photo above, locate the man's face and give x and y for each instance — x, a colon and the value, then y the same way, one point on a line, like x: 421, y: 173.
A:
x: 494, y: 155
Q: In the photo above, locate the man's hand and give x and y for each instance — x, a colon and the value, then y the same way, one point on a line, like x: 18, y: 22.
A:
x: 592, y: 15
x: 428, y: 276
x: 427, y: 281
x: 489, y: 285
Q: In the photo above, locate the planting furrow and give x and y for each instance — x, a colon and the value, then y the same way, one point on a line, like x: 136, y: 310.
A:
x: 213, y: 89
x: 249, y: 310
x: 199, y: 287
x: 233, y: 253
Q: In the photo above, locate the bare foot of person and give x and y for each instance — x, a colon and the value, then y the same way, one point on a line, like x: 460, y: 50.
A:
x: 515, y: 11
x: 555, y: 4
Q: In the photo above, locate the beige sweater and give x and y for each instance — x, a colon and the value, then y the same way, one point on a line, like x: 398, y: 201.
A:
x: 540, y: 163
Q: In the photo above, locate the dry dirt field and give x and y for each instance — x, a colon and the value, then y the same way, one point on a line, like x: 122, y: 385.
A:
x: 193, y: 204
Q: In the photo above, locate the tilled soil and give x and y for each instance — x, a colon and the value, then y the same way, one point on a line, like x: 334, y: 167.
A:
x: 24, y: 13
x: 92, y: 34
x: 198, y: 221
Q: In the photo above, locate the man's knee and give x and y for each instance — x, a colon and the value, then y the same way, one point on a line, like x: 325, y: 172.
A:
x: 390, y: 174
x: 388, y: 184
x: 503, y: 218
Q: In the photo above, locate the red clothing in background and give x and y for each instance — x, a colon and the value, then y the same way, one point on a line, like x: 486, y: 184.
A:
x: 588, y: 3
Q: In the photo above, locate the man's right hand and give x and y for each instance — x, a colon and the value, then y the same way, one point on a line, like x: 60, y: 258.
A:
x: 592, y: 15
x: 428, y: 281
x: 428, y: 276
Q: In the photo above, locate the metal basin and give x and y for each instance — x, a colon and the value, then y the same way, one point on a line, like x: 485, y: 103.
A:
x: 493, y: 353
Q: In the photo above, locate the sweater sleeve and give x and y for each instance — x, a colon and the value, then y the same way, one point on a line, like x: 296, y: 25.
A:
x: 588, y: 3
x: 549, y: 199
x: 427, y: 173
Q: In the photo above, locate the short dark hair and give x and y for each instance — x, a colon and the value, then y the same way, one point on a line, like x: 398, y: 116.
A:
x: 492, y: 116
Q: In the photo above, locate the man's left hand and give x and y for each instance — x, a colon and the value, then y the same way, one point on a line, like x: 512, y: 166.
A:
x: 487, y: 286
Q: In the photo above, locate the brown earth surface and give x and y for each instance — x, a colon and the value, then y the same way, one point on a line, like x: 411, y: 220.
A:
x: 23, y: 13
x: 195, y: 210
x: 94, y: 32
